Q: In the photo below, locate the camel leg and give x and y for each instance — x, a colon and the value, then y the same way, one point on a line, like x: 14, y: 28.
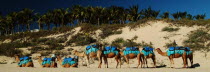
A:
x: 171, y: 61
x: 184, y: 58
x: 145, y: 58
x: 191, y: 60
x: 127, y: 61
x: 117, y: 59
x: 139, y: 59
x: 154, y: 60
x: 100, y: 60
x: 142, y: 61
x: 105, y: 61
x: 87, y: 61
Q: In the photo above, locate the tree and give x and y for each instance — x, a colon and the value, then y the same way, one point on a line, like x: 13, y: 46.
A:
x: 149, y: 13
x: 134, y: 14
x: 11, y: 19
x: 200, y: 16
x: 165, y: 15
x: 189, y: 16
x: 25, y: 17
x: 176, y: 15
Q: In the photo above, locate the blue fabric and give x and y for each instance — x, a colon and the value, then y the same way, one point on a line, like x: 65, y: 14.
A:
x: 128, y: 52
x: 177, y: 52
x: 91, y: 50
x: 49, y: 59
x: 128, y: 48
x: 44, y: 59
x: 68, y: 61
x: 171, y: 48
x: 188, y: 48
x: 94, y: 46
x: 21, y: 58
x: 134, y: 48
x: 114, y: 48
x: 107, y: 48
x: 26, y: 57
x: 24, y: 62
x: 148, y: 49
x: 109, y: 51
x: 88, y: 47
x: 146, y: 53
x: 46, y: 62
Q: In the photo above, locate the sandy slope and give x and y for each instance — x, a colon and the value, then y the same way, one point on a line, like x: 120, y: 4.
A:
x: 150, y: 33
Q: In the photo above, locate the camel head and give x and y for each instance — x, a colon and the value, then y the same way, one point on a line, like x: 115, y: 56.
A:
x: 74, y: 52
x: 17, y: 59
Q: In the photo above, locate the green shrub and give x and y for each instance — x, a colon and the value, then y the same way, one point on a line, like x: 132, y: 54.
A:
x: 118, y: 40
x: 36, y: 49
x: 8, y: 49
x: 62, y: 29
x: 198, y: 40
x: 110, y: 30
x: 81, y: 39
x: 45, y: 53
x: 170, y: 29
x: 88, y: 28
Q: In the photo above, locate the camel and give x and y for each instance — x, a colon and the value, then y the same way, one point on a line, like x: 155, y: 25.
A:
x: 53, y: 64
x: 184, y: 57
x: 29, y: 64
x: 112, y: 55
x: 150, y: 55
x: 92, y: 54
x: 67, y: 65
x: 132, y: 56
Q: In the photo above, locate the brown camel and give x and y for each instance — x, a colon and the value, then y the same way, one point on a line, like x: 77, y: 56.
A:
x: 29, y: 64
x: 67, y: 65
x: 151, y: 55
x: 139, y: 57
x: 184, y: 57
x: 53, y: 64
x: 112, y: 55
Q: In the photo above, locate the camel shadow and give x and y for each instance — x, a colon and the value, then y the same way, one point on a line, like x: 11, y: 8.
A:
x: 195, y: 65
x: 161, y: 66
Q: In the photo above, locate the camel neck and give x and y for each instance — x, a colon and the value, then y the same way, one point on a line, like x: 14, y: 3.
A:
x: 161, y: 53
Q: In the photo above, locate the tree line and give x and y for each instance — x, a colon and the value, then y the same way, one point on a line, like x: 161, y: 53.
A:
x: 91, y: 15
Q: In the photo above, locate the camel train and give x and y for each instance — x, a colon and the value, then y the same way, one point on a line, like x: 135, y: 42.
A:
x: 102, y: 52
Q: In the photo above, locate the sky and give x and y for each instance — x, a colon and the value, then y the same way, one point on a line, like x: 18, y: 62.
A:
x: 193, y: 7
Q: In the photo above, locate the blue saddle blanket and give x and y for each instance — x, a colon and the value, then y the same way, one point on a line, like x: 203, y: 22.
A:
x: 47, y: 61
x: 147, y: 50
x: 169, y: 52
x: 109, y: 49
x: 69, y: 61
x: 24, y: 62
x: 131, y: 48
x: 91, y: 49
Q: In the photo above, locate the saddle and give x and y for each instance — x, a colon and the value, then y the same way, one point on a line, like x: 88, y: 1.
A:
x: 131, y: 49
x: 47, y: 59
x: 148, y: 49
x: 179, y: 48
x: 113, y: 48
x: 91, y: 46
x: 24, y: 58
x: 68, y: 59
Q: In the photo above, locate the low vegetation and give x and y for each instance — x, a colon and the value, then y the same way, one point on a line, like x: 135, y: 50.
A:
x: 170, y: 29
x: 198, y: 40
x: 81, y: 39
